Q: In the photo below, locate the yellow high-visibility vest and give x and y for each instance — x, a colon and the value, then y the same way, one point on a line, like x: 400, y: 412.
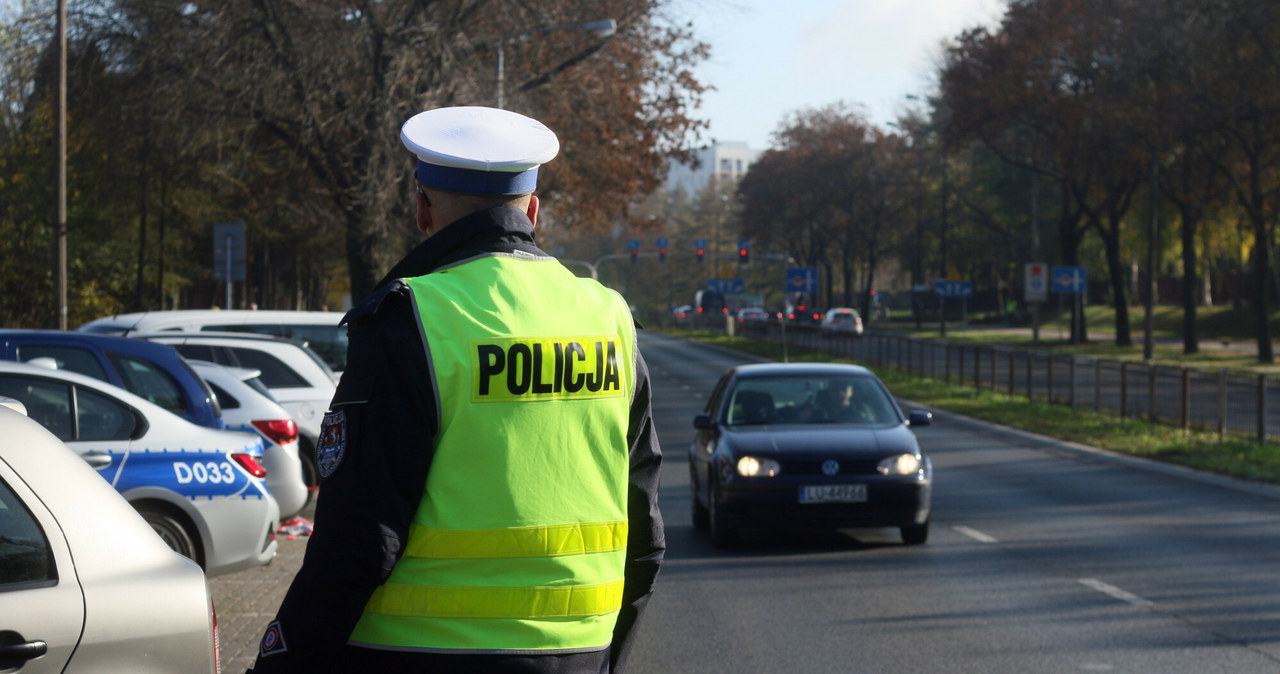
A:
x: 519, y: 542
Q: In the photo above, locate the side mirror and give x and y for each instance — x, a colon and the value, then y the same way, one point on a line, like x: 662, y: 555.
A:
x: 920, y: 418
x: 703, y: 422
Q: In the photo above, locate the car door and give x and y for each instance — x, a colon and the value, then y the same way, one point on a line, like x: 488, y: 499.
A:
x: 704, y: 438
x: 94, y: 425
x: 40, y: 596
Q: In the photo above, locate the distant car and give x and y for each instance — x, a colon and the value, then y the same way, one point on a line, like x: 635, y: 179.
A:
x: 247, y: 406
x: 154, y: 372
x: 317, y: 329
x: 753, y: 318
x: 85, y: 584
x: 842, y: 320
x: 807, y: 445
x: 200, y: 489
x: 682, y: 313
x: 804, y: 316
x: 298, y: 378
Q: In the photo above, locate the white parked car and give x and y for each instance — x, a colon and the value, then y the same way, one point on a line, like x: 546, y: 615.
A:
x: 842, y: 320
x: 200, y: 489
x: 298, y: 379
x: 85, y: 584
x: 247, y: 406
x: 318, y: 329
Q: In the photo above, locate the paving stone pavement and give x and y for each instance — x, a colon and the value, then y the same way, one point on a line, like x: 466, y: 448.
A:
x: 247, y: 600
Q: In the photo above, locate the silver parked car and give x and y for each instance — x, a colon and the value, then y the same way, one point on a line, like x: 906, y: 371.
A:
x: 247, y: 406
x: 85, y: 584
x: 201, y: 489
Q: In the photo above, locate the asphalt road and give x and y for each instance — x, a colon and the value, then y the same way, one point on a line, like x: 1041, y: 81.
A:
x: 1044, y: 557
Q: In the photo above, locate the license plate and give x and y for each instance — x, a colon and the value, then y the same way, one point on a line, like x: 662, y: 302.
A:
x: 834, y: 493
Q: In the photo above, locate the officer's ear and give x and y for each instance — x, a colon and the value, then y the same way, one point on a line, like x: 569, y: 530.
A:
x: 424, y: 218
x: 533, y: 210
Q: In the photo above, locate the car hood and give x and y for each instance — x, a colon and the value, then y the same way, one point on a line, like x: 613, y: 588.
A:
x: 821, y: 439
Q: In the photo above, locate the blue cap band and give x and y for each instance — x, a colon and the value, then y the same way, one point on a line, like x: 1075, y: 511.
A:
x: 471, y: 181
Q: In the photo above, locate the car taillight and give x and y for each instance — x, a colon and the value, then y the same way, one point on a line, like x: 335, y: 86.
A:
x: 279, y: 431
x: 249, y: 463
x: 816, y: 317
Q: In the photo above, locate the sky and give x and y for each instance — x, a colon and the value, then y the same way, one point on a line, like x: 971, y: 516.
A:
x: 770, y: 58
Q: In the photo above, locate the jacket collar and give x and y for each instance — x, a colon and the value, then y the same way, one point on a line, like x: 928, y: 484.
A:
x: 479, y: 232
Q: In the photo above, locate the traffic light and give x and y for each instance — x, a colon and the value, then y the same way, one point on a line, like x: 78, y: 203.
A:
x: 744, y: 252
x: 702, y: 255
x: 662, y: 254
x: 700, y: 245
x: 634, y: 254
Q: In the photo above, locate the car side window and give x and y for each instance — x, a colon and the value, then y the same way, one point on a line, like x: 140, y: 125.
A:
x: 713, y: 401
x: 149, y: 382
x: 73, y: 358
x: 48, y: 402
x: 101, y: 418
x: 25, y: 556
x: 197, y: 352
x: 275, y: 374
x: 226, y: 400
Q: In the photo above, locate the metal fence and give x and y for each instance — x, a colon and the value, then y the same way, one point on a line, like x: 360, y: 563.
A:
x: 1217, y: 400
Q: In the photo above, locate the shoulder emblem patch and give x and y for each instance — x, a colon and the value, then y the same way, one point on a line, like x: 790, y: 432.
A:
x: 332, y: 443
x: 272, y: 641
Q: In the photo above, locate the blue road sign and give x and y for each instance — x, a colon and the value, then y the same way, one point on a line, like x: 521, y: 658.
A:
x: 633, y: 244
x: 802, y: 280
x: 943, y: 288
x: 726, y: 286
x: 1069, y: 279
x: 662, y: 242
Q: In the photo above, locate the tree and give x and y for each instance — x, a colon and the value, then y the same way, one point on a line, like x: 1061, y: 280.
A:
x: 325, y: 86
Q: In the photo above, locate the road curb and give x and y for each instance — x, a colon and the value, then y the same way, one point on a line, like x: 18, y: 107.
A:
x: 1151, y: 465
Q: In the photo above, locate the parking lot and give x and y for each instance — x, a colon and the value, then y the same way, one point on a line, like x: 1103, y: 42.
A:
x: 247, y: 600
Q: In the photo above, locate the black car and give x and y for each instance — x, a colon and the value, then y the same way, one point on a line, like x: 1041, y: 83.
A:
x: 807, y: 445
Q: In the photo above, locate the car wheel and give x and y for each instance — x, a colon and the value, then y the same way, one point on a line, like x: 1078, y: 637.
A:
x: 171, y: 531
x: 701, y: 516
x: 722, y: 532
x: 915, y: 535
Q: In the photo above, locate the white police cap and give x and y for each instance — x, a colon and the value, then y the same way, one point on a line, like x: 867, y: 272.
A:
x: 478, y: 150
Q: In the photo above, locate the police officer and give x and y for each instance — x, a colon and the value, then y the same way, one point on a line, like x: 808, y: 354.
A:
x: 489, y: 466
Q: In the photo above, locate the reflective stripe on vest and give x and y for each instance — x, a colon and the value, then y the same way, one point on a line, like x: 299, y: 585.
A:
x: 514, y: 603
x: 519, y: 543
x: 576, y: 538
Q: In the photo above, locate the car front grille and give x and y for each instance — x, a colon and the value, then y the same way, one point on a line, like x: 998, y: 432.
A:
x: 814, y: 467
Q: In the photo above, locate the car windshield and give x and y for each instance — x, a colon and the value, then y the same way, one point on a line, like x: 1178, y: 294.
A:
x: 811, y: 400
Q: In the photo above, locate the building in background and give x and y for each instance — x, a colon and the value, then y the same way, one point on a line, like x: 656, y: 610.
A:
x: 723, y: 161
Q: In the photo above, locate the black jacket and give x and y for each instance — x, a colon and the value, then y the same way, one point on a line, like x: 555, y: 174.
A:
x: 366, y: 504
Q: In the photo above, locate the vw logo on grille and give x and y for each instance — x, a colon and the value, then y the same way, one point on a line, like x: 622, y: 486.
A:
x: 830, y: 467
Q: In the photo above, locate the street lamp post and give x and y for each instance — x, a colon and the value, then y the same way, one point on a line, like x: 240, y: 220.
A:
x: 603, y: 28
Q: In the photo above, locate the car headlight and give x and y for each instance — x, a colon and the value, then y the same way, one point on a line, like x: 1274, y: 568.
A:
x: 902, y: 464
x: 750, y: 466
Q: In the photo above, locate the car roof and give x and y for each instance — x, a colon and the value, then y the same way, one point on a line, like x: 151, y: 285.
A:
x: 208, y: 334
x: 147, y: 320
x: 121, y: 344
x: 800, y: 369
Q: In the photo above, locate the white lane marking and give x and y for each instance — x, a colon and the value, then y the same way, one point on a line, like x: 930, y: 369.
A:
x: 1113, y: 591
x: 975, y: 535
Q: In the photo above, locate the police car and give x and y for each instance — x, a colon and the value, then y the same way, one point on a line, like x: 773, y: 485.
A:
x: 200, y: 489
